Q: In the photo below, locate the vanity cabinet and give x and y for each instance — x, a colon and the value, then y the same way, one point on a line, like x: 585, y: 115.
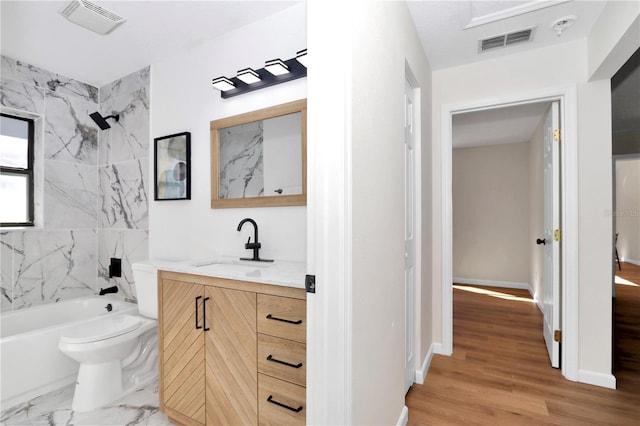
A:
x: 231, y: 352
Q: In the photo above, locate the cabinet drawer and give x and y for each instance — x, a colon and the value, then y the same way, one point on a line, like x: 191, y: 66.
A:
x: 283, y: 359
x: 282, y: 317
x: 280, y: 402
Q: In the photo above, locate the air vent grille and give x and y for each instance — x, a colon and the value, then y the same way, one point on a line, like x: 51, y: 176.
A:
x: 492, y: 43
x: 518, y: 37
x: 91, y: 16
x: 504, y: 40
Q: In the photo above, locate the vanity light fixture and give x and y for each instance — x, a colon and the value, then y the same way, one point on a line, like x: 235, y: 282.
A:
x: 301, y: 57
x: 275, y: 71
x: 248, y: 75
x: 223, y: 84
x: 276, y: 67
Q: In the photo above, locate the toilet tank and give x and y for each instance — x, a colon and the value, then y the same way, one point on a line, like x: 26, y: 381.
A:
x: 145, y: 278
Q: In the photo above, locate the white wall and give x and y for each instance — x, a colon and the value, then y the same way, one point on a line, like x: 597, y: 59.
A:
x: 526, y: 74
x: 378, y: 206
x: 613, y: 39
x: 627, y: 209
x: 182, y: 99
x: 491, y: 213
x: 356, y: 134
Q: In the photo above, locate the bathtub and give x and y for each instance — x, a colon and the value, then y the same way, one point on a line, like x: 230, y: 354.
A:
x: 30, y: 362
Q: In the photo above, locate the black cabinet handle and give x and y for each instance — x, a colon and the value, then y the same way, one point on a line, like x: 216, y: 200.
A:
x: 204, y: 314
x: 271, y: 317
x: 272, y: 359
x: 541, y: 241
x: 280, y: 404
x: 198, y: 327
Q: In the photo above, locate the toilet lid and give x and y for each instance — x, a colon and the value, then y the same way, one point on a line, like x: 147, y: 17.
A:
x: 101, y: 329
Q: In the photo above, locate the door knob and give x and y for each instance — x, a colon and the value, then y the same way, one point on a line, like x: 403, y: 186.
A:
x: 541, y: 241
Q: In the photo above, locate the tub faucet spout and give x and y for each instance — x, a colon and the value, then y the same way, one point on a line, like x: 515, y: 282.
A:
x: 104, y: 291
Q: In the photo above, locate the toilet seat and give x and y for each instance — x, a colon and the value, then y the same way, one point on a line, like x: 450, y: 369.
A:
x: 101, y: 329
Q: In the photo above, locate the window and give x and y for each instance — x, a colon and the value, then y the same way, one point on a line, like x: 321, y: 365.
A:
x: 16, y: 171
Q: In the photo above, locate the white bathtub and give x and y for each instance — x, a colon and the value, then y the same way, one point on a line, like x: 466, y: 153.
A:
x: 30, y: 362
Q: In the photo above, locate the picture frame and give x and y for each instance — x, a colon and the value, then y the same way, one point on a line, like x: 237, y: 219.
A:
x: 172, y: 167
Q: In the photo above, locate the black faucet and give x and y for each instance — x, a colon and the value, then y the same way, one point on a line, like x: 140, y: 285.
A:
x: 255, y: 245
x: 104, y: 291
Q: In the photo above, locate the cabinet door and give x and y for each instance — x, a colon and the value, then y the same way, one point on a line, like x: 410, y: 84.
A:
x: 231, y: 366
x: 183, y: 350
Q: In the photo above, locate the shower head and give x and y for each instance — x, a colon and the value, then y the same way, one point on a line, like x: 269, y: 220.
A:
x: 102, y: 121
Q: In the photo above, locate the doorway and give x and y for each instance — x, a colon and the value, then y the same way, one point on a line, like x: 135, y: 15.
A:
x: 505, y: 199
x: 568, y: 217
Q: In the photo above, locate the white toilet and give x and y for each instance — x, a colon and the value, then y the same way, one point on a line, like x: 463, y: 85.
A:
x: 118, y: 354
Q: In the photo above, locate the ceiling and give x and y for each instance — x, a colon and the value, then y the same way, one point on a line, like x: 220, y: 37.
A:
x: 450, y: 30
x: 34, y: 32
x: 497, y: 126
x: 156, y: 30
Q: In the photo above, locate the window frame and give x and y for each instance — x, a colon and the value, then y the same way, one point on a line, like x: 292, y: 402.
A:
x: 29, y: 172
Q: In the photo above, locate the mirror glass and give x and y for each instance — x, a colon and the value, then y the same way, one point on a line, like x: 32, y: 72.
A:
x: 258, y: 158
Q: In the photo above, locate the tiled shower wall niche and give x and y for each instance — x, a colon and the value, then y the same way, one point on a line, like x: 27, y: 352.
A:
x: 89, y: 205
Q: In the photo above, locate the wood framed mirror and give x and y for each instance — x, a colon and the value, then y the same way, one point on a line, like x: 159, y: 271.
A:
x: 259, y: 159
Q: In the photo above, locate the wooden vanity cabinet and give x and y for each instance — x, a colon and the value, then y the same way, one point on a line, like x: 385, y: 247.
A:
x: 231, y: 352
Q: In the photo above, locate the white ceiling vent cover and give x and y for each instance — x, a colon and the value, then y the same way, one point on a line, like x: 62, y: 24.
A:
x: 91, y: 16
x: 504, y: 40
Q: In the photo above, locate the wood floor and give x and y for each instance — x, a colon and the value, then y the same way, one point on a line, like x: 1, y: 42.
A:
x: 499, y: 373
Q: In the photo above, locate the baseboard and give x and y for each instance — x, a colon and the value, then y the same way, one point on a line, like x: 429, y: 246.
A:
x: 437, y: 349
x: 635, y: 262
x: 493, y: 283
x: 597, y: 379
x: 404, y: 417
x: 422, y: 372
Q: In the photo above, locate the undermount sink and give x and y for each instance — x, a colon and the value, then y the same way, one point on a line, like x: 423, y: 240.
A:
x: 230, y: 262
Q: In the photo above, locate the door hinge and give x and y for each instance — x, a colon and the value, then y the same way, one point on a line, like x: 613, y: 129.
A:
x: 557, y: 336
x: 556, y: 135
x: 310, y: 283
x: 557, y: 235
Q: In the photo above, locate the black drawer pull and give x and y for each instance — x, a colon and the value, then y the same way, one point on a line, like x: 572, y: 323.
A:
x: 271, y: 358
x: 204, y: 314
x: 198, y: 327
x: 271, y: 317
x: 280, y: 404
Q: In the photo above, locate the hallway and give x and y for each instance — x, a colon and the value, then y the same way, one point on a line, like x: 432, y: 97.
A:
x: 626, y: 313
x: 500, y: 373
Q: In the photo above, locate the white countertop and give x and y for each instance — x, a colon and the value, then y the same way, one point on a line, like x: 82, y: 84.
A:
x: 284, y: 273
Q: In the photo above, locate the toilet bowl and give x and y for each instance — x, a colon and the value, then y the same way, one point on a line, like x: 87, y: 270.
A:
x: 118, y: 354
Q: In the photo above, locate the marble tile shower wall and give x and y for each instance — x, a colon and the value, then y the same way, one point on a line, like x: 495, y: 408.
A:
x: 94, y: 201
x: 123, y: 170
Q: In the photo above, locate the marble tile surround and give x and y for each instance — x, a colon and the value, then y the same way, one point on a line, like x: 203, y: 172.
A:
x: 41, y: 78
x: 48, y: 266
x: 130, y: 246
x: 93, y: 187
x: 70, y: 195
x: 70, y: 134
x: 137, y: 409
x: 124, y: 202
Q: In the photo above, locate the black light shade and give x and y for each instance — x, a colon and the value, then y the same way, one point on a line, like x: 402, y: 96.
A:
x: 102, y: 121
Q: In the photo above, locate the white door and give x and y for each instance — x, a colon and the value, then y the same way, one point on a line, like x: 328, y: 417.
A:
x: 409, y: 233
x: 552, y: 235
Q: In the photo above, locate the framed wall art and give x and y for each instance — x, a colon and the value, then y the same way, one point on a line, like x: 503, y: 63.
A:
x: 172, y: 167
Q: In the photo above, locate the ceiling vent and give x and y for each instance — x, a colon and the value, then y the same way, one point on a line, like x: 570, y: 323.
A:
x: 91, y: 16
x: 504, y: 40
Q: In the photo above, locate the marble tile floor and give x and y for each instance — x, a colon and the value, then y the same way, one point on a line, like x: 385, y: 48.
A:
x: 54, y: 408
